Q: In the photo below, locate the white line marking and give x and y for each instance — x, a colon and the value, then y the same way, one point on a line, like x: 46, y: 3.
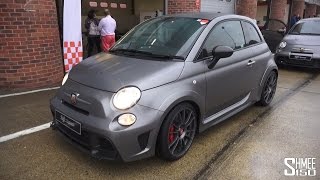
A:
x: 24, y: 132
x: 28, y: 92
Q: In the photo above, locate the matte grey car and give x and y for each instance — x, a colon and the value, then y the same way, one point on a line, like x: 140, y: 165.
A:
x: 166, y: 80
x: 301, y: 46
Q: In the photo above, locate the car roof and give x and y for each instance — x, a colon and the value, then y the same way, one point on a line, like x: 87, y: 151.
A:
x: 310, y: 19
x: 200, y: 15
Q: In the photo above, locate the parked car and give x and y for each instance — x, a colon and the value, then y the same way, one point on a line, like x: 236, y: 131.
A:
x: 164, y: 81
x: 273, y: 32
x: 301, y: 46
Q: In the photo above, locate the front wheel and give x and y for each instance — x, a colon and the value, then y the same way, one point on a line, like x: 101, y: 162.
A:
x: 177, y: 132
x: 269, y: 89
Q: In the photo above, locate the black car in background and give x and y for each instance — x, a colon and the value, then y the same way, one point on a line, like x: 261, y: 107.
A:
x: 273, y: 32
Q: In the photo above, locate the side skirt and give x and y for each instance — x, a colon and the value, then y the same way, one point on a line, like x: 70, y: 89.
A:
x: 226, y: 113
x: 226, y: 110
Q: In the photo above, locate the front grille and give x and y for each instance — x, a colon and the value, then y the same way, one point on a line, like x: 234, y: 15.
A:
x: 286, y: 60
x: 302, y: 50
x: 84, y: 112
x: 83, y: 139
x: 92, y: 143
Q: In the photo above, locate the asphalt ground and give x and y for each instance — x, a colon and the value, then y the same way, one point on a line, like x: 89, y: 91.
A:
x: 45, y: 155
x: 289, y: 131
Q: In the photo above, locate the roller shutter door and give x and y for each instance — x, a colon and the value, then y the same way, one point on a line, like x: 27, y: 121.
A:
x: 223, y: 6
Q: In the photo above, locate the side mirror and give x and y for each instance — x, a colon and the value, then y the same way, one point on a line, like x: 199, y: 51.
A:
x: 282, y: 31
x: 218, y: 53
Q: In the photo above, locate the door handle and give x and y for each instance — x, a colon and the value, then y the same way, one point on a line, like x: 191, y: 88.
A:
x: 250, y: 63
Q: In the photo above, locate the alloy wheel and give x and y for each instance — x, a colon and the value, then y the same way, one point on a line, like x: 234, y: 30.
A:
x: 270, y: 88
x: 181, y: 132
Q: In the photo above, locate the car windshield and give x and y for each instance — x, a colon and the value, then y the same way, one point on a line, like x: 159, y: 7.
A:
x: 306, y: 28
x: 162, y: 38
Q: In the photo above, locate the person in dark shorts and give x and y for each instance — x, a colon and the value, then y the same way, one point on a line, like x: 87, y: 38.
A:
x: 93, y: 33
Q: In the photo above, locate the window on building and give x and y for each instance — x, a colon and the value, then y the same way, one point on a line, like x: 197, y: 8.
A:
x: 227, y: 33
x: 250, y: 33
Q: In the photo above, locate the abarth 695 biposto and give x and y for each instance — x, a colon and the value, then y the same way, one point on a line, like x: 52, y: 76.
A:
x: 166, y: 80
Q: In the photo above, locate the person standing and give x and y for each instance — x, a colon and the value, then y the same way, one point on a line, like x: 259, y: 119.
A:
x: 298, y: 17
x: 107, y: 27
x: 93, y: 33
x: 293, y: 20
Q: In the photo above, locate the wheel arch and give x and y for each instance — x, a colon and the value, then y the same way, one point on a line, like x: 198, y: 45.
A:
x: 272, y: 66
x: 189, y: 100
x: 264, y: 78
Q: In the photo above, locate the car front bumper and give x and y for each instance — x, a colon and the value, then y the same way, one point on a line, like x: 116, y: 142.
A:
x: 285, y: 57
x: 101, y: 134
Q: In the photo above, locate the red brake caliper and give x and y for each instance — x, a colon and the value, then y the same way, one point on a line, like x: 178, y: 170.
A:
x: 171, y: 135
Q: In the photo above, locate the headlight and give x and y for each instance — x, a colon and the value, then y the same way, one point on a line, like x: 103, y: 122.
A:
x: 282, y: 45
x: 65, y: 78
x: 126, y: 119
x: 126, y: 98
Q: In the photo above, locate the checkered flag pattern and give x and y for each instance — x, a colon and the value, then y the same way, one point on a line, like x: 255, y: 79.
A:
x: 73, y: 54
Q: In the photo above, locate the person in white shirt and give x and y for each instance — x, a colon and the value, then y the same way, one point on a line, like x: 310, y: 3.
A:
x: 107, y: 27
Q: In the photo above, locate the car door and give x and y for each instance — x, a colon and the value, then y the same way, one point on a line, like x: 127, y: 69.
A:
x: 228, y: 86
x: 259, y: 53
x: 273, y: 32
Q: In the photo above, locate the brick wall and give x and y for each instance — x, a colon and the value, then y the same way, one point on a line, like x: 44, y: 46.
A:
x: 183, y: 6
x: 30, y: 47
x: 318, y: 10
x: 298, y: 7
x: 278, y: 9
x: 311, y: 10
x: 247, y: 8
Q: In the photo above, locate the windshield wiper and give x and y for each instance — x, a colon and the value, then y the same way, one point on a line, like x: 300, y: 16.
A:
x: 309, y: 34
x: 168, y: 56
x: 131, y: 51
x: 294, y: 33
x: 149, y: 54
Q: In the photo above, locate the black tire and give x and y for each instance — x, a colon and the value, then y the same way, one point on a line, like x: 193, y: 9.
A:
x: 177, y: 132
x: 269, y: 89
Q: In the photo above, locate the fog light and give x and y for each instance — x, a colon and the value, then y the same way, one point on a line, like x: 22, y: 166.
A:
x: 127, y: 119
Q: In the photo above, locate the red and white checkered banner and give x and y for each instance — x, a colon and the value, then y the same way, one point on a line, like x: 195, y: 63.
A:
x: 72, y: 36
x: 72, y: 54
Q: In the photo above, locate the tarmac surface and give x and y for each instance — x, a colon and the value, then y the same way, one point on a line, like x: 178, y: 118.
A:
x: 291, y: 130
x: 250, y: 145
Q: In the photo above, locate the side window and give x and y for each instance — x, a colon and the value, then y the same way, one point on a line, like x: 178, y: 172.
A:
x: 250, y: 33
x: 228, y: 33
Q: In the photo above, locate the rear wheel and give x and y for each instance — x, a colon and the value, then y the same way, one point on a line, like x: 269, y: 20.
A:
x: 269, y: 89
x: 177, y: 132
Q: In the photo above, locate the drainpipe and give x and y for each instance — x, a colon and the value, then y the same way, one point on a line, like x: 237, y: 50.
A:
x: 268, y: 10
x: 165, y: 5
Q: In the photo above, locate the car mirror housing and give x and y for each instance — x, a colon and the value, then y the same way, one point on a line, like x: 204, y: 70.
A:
x: 282, y: 31
x: 218, y: 53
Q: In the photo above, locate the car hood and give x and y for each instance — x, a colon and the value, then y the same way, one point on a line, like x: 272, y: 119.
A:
x: 302, y: 40
x: 111, y: 72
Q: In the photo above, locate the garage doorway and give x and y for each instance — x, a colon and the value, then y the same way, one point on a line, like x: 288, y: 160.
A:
x: 127, y: 13
x: 218, y: 6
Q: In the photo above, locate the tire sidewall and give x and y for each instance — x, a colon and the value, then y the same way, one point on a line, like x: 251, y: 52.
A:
x: 262, y: 100
x: 163, y: 143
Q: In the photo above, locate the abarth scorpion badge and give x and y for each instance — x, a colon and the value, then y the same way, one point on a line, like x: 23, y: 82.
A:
x: 74, y: 97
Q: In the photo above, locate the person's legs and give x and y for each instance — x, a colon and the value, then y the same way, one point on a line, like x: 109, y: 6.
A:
x: 90, y: 45
x: 104, y: 43
x: 112, y: 41
x: 98, y: 43
x: 107, y: 42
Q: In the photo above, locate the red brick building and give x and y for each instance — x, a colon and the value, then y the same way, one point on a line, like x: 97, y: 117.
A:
x: 30, y: 50
x: 30, y: 46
